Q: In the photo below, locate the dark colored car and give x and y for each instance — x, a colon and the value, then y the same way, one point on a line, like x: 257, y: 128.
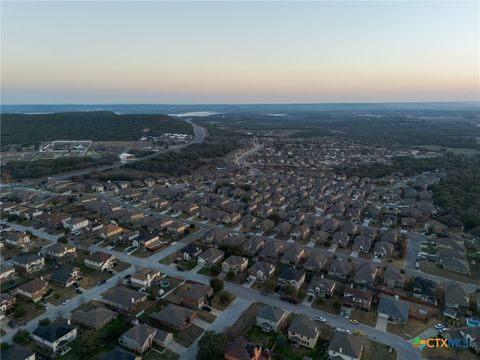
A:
x: 12, y: 324
x: 206, y: 308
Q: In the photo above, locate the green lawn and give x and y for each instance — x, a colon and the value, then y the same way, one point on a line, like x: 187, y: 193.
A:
x: 165, y: 355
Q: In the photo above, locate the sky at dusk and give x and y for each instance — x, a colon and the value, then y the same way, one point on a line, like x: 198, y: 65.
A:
x: 239, y: 52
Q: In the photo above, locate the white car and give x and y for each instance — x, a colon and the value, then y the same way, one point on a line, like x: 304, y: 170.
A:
x: 439, y: 327
x: 321, y: 319
x: 65, y: 302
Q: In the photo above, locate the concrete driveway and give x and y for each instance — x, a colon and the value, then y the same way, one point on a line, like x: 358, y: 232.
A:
x: 381, y: 323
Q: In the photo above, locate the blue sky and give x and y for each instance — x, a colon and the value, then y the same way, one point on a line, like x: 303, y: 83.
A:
x: 239, y: 52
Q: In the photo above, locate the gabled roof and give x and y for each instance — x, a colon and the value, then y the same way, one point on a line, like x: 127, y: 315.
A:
x: 455, y: 294
x: 303, y: 326
x: 291, y: 274
x: 94, y: 317
x: 347, y: 344
x: 271, y: 313
x: 396, y: 308
x: 140, y: 333
x: 53, y: 331
x: 16, y: 352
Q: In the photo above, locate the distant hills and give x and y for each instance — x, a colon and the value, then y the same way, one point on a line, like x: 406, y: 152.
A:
x: 94, y: 125
x: 240, y: 108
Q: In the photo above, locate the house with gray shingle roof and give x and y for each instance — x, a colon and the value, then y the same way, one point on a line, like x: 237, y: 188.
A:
x: 139, y: 338
x: 94, y: 318
x: 393, y: 309
x: 392, y: 277
x: 303, y: 331
x: 345, y: 346
x: 365, y: 274
x: 269, y: 318
x: 456, y: 297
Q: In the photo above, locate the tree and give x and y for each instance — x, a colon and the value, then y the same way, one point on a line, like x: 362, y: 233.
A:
x: 230, y: 275
x: 224, y: 297
x: 212, y: 346
x: 63, y: 239
x: 44, y: 322
x: 22, y: 337
x: 215, y: 270
x: 337, y: 305
x: 269, y: 285
x: 4, y: 346
x: 87, y: 343
x: 216, y: 284
x: 19, y: 312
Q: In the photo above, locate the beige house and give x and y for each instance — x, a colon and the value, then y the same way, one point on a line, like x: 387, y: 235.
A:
x: 235, y: 263
x: 303, y: 332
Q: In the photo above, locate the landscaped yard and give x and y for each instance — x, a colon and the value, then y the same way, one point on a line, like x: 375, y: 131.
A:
x: 60, y: 294
x: 217, y: 304
x: 188, y: 336
x: 169, y: 259
x: 328, y: 305
x: 121, y: 266
x: 165, y: 355
x: 141, y: 253
x: 432, y: 268
x: 412, y: 328
x: 32, y: 310
x: 90, y: 280
x: 365, y: 317
x: 187, y: 265
x: 244, y: 322
x: 373, y: 350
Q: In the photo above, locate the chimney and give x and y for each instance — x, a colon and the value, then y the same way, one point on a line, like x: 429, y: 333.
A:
x: 69, y: 322
x: 397, y: 297
x: 133, y: 300
x: 340, y: 350
x: 322, y: 276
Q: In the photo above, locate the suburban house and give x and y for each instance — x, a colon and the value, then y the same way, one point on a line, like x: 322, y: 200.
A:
x: 75, y: 224
x: 139, y: 338
x: 235, y: 263
x: 6, y: 273
x: 145, y: 278
x: 393, y: 309
x: 357, y: 298
x: 29, y: 263
x: 365, y: 274
x: 340, y: 269
x: 17, y: 352
x: 196, y: 296
x: 100, y: 260
x: 321, y: 288
x: 17, y: 238
x: 345, y: 346
x: 55, y: 336
x: 424, y: 289
x: 315, y: 262
x: 293, y: 255
x: 124, y: 298
x: 174, y: 317
x: 110, y: 231
x: 66, y: 275
x: 383, y: 249
x: 149, y: 240
x: 270, y: 318
x: 239, y: 349
x: 163, y: 338
x: 303, y: 331
x: 33, y: 290
x: 60, y: 251
x: 7, y: 302
x: 468, y: 334
x: 362, y: 244
x: 456, y: 297
x: 291, y: 277
x: 261, y: 271
x: 392, y: 277
x: 94, y: 318
x: 210, y: 257
x: 121, y: 354
x: 189, y: 252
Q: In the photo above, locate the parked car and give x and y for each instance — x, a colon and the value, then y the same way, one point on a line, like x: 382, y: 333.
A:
x: 65, y: 302
x: 439, y: 327
x: 321, y: 319
x: 79, y: 291
x: 353, y: 321
x: 12, y: 324
x: 101, y: 282
x: 206, y: 308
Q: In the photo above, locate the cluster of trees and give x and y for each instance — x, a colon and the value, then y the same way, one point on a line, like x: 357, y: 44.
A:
x: 459, y: 194
x: 16, y: 170
x: 184, y: 162
x: 95, y: 125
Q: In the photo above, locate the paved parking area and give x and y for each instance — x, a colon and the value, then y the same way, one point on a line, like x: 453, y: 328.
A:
x: 381, y: 323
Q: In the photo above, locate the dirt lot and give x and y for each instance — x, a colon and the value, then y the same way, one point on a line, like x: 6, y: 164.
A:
x: 90, y: 280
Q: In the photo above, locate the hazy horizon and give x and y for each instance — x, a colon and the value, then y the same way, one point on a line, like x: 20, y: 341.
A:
x: 239, y: 52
